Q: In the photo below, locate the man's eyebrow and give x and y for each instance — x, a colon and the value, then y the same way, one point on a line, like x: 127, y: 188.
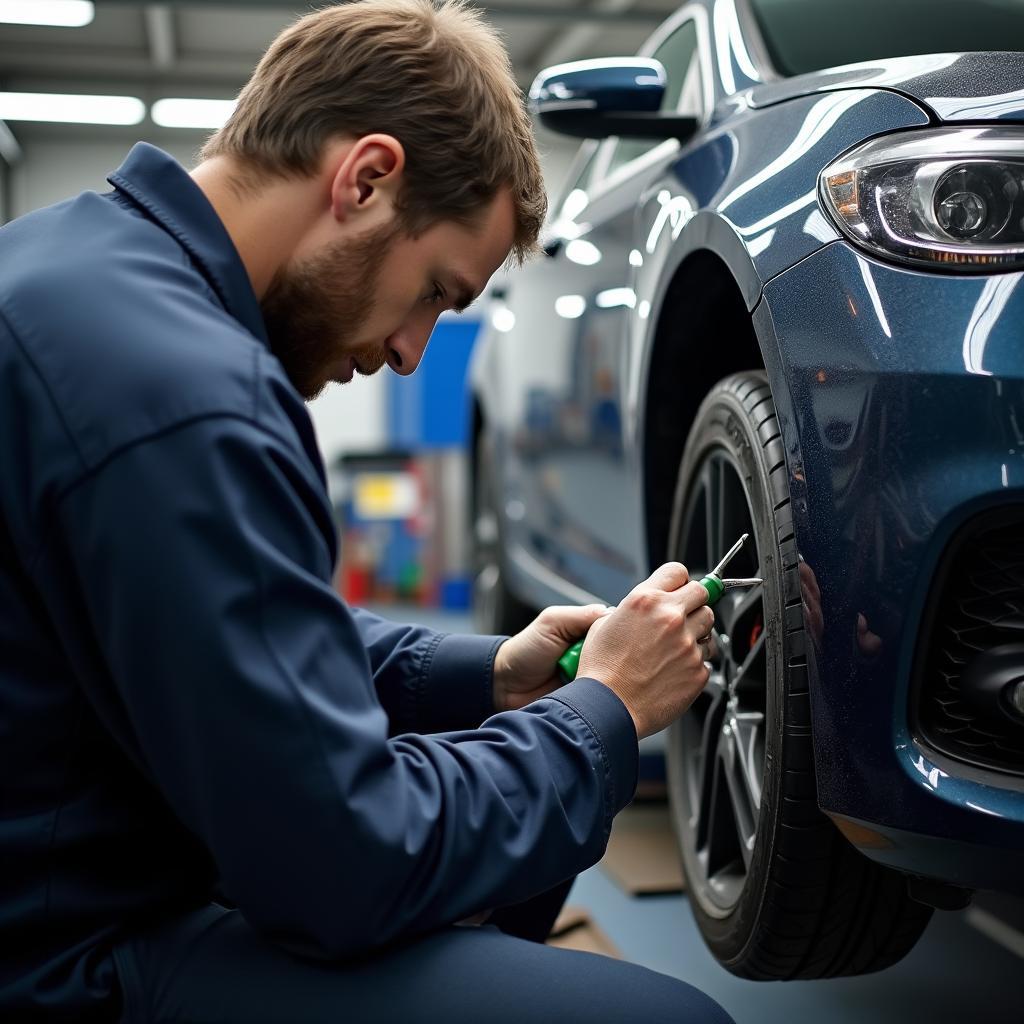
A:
x: 464, y: 293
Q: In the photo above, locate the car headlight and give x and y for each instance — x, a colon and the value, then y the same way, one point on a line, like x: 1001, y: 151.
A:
x: 949, y: 197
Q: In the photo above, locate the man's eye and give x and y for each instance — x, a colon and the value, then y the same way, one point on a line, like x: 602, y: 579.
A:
x: 436, y: 296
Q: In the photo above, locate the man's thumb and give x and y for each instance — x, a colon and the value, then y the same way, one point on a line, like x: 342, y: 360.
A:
x: 573, y: 621
x: 590, y: 613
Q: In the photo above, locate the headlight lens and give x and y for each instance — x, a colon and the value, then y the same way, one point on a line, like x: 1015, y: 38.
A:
x: 949, y: 197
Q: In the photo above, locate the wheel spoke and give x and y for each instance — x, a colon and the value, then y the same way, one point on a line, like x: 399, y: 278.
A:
x: 718, y: 512
x: 733, y: 518
x: 708, y: 479
x: 744, y: 809
x: 705, y: 759
x: 722, y: 849
x: 747, y: 670
x: 748, y: 729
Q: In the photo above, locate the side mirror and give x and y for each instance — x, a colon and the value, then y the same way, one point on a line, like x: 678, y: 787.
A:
x: 592, y: 99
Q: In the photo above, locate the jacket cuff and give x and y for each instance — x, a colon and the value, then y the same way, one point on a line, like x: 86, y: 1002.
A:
x: 612, y: 725
x: 457, y: 682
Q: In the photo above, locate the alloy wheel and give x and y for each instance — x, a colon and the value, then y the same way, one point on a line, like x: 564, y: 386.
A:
x: 723, y: 733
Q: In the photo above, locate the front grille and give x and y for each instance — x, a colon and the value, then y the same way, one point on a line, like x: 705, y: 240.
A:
x: 978, y: 605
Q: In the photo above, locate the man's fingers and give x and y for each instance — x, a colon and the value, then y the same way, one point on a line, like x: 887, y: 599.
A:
x: 670, y: 576
x: 708, y: 648
x: 700, y: 622
x: 693, y: 596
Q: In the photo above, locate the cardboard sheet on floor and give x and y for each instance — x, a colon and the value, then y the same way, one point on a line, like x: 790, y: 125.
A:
x: 576, y: 929
x: 642, y: 856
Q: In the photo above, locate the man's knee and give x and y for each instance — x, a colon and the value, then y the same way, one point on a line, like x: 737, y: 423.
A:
x: 593, y: 988
x: 678, y: 1002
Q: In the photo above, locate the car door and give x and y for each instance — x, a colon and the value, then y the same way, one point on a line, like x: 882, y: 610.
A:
x: 582, y: 517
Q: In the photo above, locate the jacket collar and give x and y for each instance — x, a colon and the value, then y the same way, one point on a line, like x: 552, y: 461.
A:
x: 162, y: 187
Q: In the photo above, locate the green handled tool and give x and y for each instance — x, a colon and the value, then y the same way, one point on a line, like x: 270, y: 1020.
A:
x: 713, y: 583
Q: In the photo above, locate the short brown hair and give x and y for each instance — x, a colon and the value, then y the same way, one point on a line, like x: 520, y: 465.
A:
x: 432, y: 74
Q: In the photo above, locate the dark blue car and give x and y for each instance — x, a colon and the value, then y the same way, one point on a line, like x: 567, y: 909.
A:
x: 782, y: 295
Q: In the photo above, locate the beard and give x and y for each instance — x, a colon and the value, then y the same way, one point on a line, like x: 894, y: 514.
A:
x: 312, y: 311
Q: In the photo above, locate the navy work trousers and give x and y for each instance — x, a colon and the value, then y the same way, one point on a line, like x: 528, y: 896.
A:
x: 209, y: 965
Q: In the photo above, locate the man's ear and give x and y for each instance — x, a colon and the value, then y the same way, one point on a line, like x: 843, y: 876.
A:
x: 368, y: 175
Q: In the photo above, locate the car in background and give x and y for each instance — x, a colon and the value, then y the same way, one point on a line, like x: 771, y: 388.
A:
x: 781, y: 294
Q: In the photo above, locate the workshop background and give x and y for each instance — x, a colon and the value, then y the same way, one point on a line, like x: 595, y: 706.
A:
x: 79, y: 84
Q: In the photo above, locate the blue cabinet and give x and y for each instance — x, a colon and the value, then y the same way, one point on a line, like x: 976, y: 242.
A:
x: 430, y: 409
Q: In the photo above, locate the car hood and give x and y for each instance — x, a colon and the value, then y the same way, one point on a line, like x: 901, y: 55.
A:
x: 951, y: 86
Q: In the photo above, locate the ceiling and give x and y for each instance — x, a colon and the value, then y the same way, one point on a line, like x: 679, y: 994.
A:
x: 199, y: 49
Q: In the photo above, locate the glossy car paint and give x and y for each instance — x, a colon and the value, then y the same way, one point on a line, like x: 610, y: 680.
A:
x: 635, y: 87
x: 951, y: 86
x: 901, y: 398
x: 874, y: 370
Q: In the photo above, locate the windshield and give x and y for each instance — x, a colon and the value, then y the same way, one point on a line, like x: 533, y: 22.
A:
x: 808, y: 35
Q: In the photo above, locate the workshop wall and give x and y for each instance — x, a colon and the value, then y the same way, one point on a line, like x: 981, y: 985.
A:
x: 53, y: 168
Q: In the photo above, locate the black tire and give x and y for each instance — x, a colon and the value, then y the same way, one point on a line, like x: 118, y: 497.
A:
x: 795, y: 900
x: 495, y: 608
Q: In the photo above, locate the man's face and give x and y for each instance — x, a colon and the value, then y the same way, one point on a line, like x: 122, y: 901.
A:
x: 357, y: 304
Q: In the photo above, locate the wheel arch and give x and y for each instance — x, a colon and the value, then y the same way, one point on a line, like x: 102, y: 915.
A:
x: 707, y: 296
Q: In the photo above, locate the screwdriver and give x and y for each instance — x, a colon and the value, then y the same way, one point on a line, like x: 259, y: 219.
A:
x: 713, y: 583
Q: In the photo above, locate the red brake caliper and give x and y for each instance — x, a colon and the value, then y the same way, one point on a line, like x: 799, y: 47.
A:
x: 755, y: 632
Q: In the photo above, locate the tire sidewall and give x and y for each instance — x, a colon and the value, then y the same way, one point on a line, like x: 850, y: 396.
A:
x: 722, y: 422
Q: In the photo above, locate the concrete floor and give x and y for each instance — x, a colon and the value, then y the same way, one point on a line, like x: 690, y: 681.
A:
x: 957, y: 974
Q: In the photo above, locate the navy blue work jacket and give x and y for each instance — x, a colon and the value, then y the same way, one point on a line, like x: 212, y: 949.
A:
x: 185, y: 702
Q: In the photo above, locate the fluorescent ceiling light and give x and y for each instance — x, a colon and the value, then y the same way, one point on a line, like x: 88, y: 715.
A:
x: 579, y: 250
x: 503, y: 319
x: 570, y: 306
x: 70, y: 108
x: 182, y: 113
x: 612, y: 297
x: 66, y: 13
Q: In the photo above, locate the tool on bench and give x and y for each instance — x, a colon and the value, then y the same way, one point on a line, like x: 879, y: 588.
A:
x: 713, y: 583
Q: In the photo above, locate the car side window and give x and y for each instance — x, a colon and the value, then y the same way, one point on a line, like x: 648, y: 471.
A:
x: 680, y: 57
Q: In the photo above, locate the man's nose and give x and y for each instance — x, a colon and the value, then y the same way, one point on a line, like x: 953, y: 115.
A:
x: 405, y: 350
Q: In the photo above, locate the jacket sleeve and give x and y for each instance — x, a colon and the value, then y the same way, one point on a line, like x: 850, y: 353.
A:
x: 203, y: 560
x: 429, y: 681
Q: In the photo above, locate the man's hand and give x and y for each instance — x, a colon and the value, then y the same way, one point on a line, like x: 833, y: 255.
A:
x: 651, y: 650
x: 526, y: 665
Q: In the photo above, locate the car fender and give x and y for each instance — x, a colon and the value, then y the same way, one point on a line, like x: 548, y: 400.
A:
x: 746, y: 191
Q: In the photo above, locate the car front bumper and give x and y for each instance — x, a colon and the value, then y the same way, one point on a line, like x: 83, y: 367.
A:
x: 901, y: 400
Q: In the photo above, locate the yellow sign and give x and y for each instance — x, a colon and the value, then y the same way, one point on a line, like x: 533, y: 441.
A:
x: 385, y: 496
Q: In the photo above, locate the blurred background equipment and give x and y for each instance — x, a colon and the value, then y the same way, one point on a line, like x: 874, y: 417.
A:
x: 403, y: 508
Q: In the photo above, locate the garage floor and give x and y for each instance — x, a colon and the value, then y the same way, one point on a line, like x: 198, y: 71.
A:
x: 954, y: 975
x: 968, y: 967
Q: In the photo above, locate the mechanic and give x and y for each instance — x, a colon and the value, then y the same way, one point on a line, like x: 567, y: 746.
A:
x: 225, y: 794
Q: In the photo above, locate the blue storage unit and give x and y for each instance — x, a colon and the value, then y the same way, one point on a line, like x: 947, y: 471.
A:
x: 429, y: 410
